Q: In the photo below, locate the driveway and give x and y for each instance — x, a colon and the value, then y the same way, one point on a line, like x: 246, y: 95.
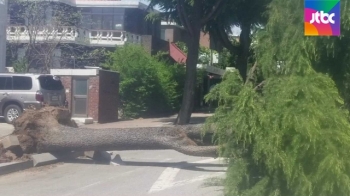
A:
x: 142, y: 173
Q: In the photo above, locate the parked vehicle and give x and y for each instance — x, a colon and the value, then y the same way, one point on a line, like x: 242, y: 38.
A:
x: 21, y: 91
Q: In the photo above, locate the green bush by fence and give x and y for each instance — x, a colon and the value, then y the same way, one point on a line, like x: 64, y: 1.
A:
x: 148, y: 86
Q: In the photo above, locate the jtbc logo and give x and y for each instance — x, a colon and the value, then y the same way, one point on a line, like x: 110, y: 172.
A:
x: 316, y: 17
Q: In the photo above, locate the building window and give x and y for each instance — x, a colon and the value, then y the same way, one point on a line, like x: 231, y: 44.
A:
x: 103, y: 18
x: 107, y: 22
x: 86, y: 21
x: 118, y: 22
x: 96, y: 21
x: 96, y: 10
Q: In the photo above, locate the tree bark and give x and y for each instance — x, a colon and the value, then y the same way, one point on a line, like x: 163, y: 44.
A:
x: 43, y: 131
x: 64, y: 138
x: 243, y: 52
x: 184, y: 115
x: 190, y: 81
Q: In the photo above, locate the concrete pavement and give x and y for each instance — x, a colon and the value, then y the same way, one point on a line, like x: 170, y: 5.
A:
x: 5, y: 129
x: 196, y: 118
x: 154, y: 173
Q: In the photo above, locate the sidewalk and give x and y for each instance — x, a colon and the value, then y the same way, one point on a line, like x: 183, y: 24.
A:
x: 196, y: 118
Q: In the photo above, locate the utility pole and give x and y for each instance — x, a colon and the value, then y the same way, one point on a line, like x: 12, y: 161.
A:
x: 3, y: 25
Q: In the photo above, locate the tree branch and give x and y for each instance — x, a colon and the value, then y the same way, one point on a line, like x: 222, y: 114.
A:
x: 184, y: 16
x: 259, y: 85
x: 226, y: 42
x: 214, y: 12
x: 251, y: 72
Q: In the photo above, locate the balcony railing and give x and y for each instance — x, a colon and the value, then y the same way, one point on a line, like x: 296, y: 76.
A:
x: 106, y: 38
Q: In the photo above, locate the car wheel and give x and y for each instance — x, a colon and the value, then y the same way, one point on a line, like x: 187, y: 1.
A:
x: 11, y: 113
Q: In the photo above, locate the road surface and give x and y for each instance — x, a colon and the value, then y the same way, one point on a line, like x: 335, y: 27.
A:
x: 5, y: 129
x: 142, y: 173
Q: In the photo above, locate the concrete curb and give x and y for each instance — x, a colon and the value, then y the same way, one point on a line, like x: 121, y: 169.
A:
x: 43, y: 159
x: 51, y: 158
x: 7, y: 168
x: 38, y: 160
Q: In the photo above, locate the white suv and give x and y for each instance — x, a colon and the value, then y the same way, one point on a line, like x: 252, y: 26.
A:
x: 20, y: 91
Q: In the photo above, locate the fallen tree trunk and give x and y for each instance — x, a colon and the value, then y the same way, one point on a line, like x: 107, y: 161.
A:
x: 66, y: 138
x: 42, y: 131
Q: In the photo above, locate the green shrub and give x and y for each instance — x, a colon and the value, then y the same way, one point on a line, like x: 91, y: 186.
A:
x: 292, y: 139
x: 20, y: 66
x: 147, y: 86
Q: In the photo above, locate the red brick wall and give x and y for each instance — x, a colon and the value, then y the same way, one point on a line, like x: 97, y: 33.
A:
x: 93, y: 99
x: 103, y: 95
x: 204, y: 40
x: 177, y: 34
x: 109, y: 95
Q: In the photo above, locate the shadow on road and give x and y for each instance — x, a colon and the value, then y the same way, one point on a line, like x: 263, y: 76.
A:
x: 181, y: 165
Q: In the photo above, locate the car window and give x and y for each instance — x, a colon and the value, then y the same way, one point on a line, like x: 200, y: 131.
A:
x: 5, y: 83
x: 22, y: 83
x: 50, y: 83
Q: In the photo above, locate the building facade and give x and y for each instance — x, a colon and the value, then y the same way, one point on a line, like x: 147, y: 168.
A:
x: 69, y: 28
x: 3, y: 22
x: 172, y: 32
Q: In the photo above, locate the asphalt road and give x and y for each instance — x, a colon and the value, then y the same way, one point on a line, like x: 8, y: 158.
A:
x: 141, y: 173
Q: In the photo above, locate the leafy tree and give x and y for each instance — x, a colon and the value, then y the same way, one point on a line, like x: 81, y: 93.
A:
x: 285, y: 131
x: 148, y: 86
x: 192, y: 15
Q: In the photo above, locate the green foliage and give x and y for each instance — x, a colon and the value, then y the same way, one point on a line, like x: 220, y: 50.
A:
x: 226, y: 59
x: 182, y: 46
x: 291, y: 139
x: 148, y: 86
x: 283, y: 40
x: 204, y: 53
x: 20, y: 66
